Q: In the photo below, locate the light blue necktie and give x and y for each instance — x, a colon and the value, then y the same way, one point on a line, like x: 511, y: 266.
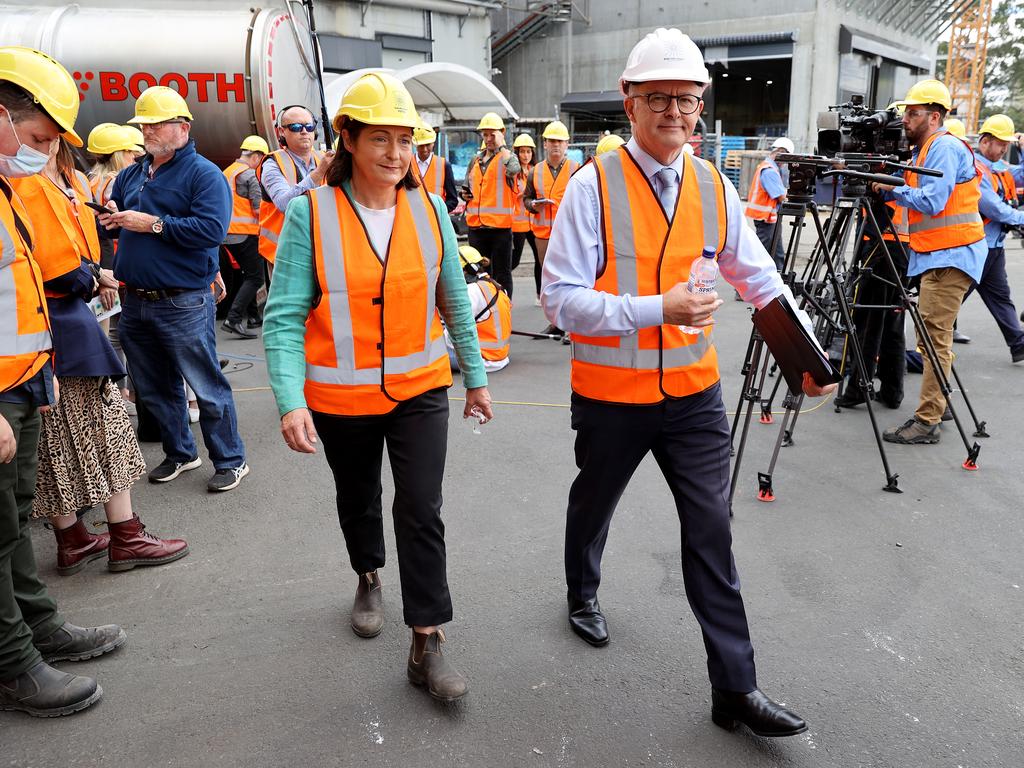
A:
x: 669, y: 183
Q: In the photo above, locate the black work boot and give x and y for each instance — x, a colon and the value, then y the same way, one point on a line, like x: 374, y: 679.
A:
x: 71, y: 643
x: 43, y: 691
x: 430, y: 669
x: 368, y: 607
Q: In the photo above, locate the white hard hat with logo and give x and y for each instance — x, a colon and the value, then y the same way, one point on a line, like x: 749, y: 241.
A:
x: 665, y: 54
x: 784, y: 143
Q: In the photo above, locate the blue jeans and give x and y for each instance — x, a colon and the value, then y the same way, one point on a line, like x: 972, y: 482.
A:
x: 171, y: 339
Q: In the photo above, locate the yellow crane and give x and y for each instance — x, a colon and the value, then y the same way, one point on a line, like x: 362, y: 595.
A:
x: 965, y: 62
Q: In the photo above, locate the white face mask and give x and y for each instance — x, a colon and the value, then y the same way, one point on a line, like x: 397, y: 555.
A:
x: 27, y: 161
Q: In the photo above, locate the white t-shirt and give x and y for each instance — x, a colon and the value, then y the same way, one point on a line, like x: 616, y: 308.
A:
x: 379, y: 223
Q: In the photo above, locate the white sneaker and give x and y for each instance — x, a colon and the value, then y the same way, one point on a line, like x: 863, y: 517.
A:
x: 193, y: 415
x: 536, y: 302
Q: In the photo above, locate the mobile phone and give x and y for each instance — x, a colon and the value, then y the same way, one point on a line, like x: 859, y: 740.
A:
x: 467, y: 193
x: 97, y: 207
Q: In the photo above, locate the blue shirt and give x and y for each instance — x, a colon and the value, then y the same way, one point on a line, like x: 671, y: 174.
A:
x: 951, y: 156
x: 192, y: 197
x: 277, y: 186
x: 771, y: 180
x: 992, y: 207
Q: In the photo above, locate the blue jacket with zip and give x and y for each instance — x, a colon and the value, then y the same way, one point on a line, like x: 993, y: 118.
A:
x: 192, y: 197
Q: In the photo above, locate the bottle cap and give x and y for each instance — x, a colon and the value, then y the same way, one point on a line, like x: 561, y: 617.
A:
x: 708, y: 253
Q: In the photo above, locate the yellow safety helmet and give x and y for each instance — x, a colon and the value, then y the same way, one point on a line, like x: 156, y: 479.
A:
x: 956, y: 127
x: 608, y: 143
x: 556, y: 130
x: 108, y: 138
x: 926, y: 92
x: 491, y: 121
x: 469, y: 255
x: 48, y: 82
x: 377, y: 99
x: 159, y: 104
x: 999, y: 126
x: 255, y: 144
x: 136, y: 135
x: 424, y: 135
x: 524, y: 140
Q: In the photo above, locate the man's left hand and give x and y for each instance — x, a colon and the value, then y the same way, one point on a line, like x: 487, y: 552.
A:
x: 133, y: 221
x: 811, y: 388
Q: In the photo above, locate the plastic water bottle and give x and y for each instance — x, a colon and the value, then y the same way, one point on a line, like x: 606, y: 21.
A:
x: 476, y: 418
x: 703, y: 277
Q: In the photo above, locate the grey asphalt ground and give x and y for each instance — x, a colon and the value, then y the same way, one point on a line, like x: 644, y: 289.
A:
x: 892, y: 623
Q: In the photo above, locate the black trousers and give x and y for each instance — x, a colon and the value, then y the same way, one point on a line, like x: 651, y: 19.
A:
x: 416, y: 433
x: 765, y: 232
x: 995, y: 292
x: 519, y: 239
x: 881, y: 331
x: 247, y: 255
x: 690, y: 441
x: 496, y: 245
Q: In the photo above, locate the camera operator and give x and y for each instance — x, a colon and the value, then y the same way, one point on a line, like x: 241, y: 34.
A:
x: 947, y: 240
x: 998, y: 207
x: 767, y: 193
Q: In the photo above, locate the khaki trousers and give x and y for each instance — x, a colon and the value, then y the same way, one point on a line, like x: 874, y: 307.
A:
x: 942, y: 293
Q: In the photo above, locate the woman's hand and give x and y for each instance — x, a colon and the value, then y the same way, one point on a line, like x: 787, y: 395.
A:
x: 107, y: 297
x: 478, y: 398
x: 298, y: 431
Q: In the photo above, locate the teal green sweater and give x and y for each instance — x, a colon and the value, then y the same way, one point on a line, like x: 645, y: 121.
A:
x: 291, y: 298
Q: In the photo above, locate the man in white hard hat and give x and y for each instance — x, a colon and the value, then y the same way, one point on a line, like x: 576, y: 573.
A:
x: 629, y: 227
x: 767, y: 192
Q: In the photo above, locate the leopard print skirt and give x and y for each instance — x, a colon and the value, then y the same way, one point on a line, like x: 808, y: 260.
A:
x: 87, y: 448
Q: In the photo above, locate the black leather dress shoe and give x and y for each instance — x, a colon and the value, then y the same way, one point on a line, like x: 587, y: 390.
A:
x: 237, y: 329
x: 587, y: 621
x: 756, y: 711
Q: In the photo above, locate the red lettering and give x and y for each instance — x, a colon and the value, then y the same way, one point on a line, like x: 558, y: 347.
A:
x: 201, y: 80
x: 139, y: 82
x: 179, y: 82
x: 236, y: 86
x: 112, y: 86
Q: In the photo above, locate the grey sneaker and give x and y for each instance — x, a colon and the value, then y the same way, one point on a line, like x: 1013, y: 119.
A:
x: 169, y: 469
x: 226, y: 479
x: 913, y: 432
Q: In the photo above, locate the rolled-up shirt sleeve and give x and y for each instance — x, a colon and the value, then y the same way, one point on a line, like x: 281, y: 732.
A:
x: 277, y: 186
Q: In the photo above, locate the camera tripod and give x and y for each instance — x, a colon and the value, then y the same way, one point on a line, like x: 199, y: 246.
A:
x: 825, y: 290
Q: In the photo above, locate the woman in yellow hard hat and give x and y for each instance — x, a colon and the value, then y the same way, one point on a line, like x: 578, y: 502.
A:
x: 525, y: 149
x: 366, y: 267
x: 113, y: 148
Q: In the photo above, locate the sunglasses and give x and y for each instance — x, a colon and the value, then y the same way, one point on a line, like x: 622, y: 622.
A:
x: 300, y: 127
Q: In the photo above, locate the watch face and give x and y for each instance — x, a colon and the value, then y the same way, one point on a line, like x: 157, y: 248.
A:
x: 158, y: 226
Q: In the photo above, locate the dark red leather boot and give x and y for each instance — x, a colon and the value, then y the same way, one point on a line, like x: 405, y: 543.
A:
x: 130, y: 546
x: 76, y: 547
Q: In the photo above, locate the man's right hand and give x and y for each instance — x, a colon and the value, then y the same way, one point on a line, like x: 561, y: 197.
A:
x: 8, y: 445
x: 680, y: 307
x: 320, y: 171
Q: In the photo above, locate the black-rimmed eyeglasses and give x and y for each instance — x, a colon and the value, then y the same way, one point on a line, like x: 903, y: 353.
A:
x: 659, y: 102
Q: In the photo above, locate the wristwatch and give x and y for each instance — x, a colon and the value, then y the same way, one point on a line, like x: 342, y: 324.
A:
x: 157, y: 226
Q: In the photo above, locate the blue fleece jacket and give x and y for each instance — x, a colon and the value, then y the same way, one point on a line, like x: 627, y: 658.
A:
x: 192, y: 197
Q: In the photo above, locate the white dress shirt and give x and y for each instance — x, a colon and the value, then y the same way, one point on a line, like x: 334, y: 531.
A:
x: 575, y: 256
x: 424, y: 164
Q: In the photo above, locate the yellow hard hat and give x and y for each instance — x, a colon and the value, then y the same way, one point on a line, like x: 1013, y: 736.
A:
x: 556, y: 130
x: 524, y: 140
x: 108, y: 138
x: 469, y: 255
x: 491, y: 121
x: 135, y: 133
x: 158, y: 104
x: 926, y: 92
x: 424, y: 135
x: 48, y: 82
x: 377, y: 99
x: 956, y: 127
x: 1000, y: 126
x: 255, y: 144
x: 608, y: 143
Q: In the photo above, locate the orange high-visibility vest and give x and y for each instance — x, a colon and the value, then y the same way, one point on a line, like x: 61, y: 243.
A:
x: 100, y: 187
x: 547, y: 185
x: 375, y: 337
x: 898, y: 215
x: 62, y: 238
x: 959, y: 223
x: 243, y: 221
x: 520, y: 216
x: 760, y: 205
x: 645, y: 255
x: 495, y: 330
x: 433, y: 179
x: 25, y: 341
x: 493, y: 197
x: 1002, y: 182
x: 271, y: 219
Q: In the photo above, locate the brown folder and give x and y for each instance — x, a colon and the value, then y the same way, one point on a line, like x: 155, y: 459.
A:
x: 792, y: 346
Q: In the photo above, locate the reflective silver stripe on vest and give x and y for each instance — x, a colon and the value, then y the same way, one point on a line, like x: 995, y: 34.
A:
x: 628, y: 354
x: 11, y: 342
x: 268, y: 234
x: 765, y: 208
x: 244, y: 220
x: 937, y: 222
x: 336, y: 295
x: 438, y: 176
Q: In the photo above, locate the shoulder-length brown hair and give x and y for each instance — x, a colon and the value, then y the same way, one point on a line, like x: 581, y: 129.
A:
x: 340, y: 169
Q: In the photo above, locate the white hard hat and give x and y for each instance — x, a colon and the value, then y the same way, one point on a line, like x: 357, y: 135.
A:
x: 665, y: 54
x: 786, y: 144
x: 688, y: 148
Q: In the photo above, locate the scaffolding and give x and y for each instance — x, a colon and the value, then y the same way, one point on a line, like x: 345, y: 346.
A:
x: 965, y: 62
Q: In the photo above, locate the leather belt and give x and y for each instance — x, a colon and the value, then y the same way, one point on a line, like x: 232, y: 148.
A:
x: 155, y: 294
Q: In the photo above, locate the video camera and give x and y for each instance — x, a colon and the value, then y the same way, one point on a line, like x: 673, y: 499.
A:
x: 854, y: 128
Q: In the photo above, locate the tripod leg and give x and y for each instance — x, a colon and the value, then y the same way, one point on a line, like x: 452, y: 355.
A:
x: 979, y: 426
x: 765, y: 491
x: 751, y: 395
